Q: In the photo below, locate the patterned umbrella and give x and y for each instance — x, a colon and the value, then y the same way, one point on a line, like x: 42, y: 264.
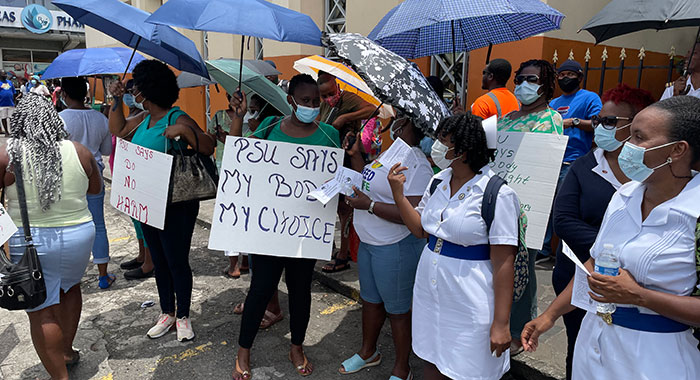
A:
x: 392, y: 79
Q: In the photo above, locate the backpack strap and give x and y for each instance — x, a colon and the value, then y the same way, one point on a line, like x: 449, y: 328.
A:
x: 488, y: 204
x: 495, y: 100
x: 434, y: 184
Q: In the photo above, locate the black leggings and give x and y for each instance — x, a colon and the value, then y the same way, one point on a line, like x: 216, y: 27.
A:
x: 170, y: 252
x: 266, y: 274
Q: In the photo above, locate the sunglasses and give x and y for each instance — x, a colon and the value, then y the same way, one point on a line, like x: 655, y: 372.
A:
x: 607, y: 122
x: 529, y: 78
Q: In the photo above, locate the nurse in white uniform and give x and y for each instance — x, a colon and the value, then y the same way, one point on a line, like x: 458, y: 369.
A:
x: 651, y: 222
x: 464, y: 283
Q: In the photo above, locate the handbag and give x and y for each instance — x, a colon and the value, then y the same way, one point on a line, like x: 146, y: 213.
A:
x: 194, y: 176
x: 22, y: 285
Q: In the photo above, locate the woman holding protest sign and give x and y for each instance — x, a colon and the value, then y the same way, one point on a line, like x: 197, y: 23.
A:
x: 299, y: 128
x: 388, y: 253
x: 155, y: 90
x: 464, y: 283
x: 534, y: 88
x: 586, y: 191
x: 642, y: 330
x: 57, y: 173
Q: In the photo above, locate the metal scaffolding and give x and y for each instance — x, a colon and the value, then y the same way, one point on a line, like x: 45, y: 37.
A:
x: 334, y: 20
x: 454, y: 78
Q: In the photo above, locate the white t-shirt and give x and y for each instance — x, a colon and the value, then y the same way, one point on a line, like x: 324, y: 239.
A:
x: 41, y: 90
x: 374, y: 230
x: 90, y: 128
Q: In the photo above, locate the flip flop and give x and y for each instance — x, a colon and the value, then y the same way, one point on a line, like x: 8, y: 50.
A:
x: 301, y: 369
x: 270, y: 319
x: 229, y: 275
x: 105, y: 282
x: 337, y: 265
x: 238, y: 309
x: 356, y: 363
x: 245, y: 375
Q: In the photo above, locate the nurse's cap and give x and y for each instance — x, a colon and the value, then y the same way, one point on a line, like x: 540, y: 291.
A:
x: 491, y: 131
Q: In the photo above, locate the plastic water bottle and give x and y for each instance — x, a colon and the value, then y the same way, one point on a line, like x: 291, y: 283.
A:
x: 607, y: 264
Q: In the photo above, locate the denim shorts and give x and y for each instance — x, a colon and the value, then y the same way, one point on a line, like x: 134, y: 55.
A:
x: 64, y: 253
x: 387, y: 273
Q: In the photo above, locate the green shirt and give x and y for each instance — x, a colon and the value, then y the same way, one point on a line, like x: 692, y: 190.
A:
x: 152, y: 138
x: 325, y: 134
x: 546, y: 121
x: 221, y: 119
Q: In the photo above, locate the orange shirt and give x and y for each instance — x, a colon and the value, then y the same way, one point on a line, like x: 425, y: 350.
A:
x: 485, y: 107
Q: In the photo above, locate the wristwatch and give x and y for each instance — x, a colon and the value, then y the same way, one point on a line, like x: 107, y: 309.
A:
x: 370, y: 209
x: 576, y: 121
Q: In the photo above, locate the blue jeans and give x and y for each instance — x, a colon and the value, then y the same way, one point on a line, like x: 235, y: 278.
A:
x: 547, y: 245
x: 100, y: 248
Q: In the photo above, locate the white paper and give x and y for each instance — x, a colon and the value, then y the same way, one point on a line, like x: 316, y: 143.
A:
x: 572, y: 256
x: 263, y: 202
x: 341, y: 183
x: 530, y: 163
x: 140, y: 182
x: 7, y: 226
x: 579, y: 296
x: 399, y: 151
x: 326, y: 192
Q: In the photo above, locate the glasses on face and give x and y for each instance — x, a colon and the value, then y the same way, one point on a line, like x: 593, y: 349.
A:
x: 532, y: 78
x: 607, y: 122
x: 567, y: 74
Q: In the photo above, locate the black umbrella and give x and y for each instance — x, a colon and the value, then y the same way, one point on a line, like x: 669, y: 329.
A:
x: 626, y: 16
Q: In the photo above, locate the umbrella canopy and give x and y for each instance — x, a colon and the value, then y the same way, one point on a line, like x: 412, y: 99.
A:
x: 626, y: 16
x: 347, y: 79
x: 128, y: 25
x: 187, y: 80
x: 261, y: 67
x: 393, y: 79
x: 257, y: 18
x: 91, y: 61
x: 420, y: 28
x: 225, y: 72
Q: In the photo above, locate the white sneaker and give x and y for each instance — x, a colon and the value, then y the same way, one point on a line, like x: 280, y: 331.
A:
x: 164, y: 324
x: 184, y: 329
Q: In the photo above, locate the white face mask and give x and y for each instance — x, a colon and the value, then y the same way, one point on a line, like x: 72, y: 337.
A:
x: 438, y: 153
x: 526, y: 92
x: 250, y: 115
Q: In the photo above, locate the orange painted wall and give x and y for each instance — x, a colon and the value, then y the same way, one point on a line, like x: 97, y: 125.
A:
x: 543, y: 48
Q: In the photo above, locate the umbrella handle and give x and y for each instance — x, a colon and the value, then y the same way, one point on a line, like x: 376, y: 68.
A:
x: 375, y: 113
x: 131, y: 58
x: 240, y: 69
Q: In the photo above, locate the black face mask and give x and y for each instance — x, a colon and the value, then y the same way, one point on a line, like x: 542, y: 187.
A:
x: 569, y: 84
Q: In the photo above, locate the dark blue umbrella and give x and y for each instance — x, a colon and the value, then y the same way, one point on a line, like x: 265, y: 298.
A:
x: 420, y: 28
x: 257, y: 18
x: 91, y: 61
x: 128, y: 25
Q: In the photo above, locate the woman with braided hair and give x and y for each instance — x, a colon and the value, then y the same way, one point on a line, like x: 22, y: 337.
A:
x: 464, y: 283
x: 57, y: 176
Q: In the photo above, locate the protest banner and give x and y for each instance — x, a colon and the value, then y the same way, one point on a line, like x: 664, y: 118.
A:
x: 140, y: 183
x: 530, y: 163
x: 263, y: 204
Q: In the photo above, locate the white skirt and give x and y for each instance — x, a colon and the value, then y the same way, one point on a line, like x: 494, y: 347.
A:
x: 613, y: 352
x: 452, y: 315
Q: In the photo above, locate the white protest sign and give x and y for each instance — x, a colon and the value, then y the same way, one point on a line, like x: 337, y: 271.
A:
x: 530, y: 163
x: 263, y: 204
x: 140, y: 183
x: 7, y: 226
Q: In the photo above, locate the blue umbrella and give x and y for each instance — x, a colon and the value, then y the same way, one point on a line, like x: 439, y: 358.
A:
x: 420, y: 28
x: 128, y: 25
x: 92, y: 61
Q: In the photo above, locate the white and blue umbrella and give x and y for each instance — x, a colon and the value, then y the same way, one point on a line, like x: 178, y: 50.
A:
x: 91, y: 61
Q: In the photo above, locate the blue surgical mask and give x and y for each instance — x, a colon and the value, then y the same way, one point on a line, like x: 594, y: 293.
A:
x: 526, y: 92
x: 129, y: 100
x: 139, y: 105
x: 306, y: 114
x: 605, y: 138
x: 34, y: 81
x: 631, y: 160
x: 63, y: 101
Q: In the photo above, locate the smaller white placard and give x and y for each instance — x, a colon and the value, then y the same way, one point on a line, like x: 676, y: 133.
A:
x: 7, y: 226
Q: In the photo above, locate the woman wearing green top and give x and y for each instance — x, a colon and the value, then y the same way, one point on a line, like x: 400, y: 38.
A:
x: 155, y: 90
x: 534, y: 88
x: 299, y: 128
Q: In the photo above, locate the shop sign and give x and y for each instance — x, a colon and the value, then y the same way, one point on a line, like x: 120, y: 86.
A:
x: 37, y: 19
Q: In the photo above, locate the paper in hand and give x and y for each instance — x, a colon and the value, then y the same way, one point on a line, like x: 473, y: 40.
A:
x: 399, y: 151
x: 342, y: 183
x: 572, y: 256
x: 579, y: 295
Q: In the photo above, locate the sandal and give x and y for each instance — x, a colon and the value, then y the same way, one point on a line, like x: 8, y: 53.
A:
x: 245, y: 375
x: 409, y: 377
x: 75, y: 358
x: 302, y: 368
x: 356, y: 363
x: 229, y: 275
x: 106, y: 281
x: 238, y: 309
x: 270, y: 319
x: 337, y: 265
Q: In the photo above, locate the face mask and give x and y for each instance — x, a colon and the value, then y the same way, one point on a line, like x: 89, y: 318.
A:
x: 605, y: 138
x: 333, y: 100
x: 129, y: 100
x: 438, y: 153
x: 526, y: 92
x: 34, y: 81
x: 306, y: 114
x: 568, y: 84
x: 393, y: 128
x: 63, y: 101
x: 250, y: 115
x: 631, y: 160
